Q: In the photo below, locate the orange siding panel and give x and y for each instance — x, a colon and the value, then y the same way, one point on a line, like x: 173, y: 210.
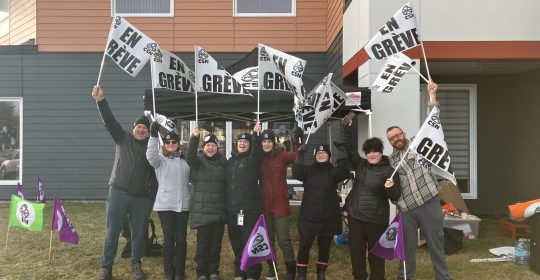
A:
x: 67, y: 25
x: 22, y: 21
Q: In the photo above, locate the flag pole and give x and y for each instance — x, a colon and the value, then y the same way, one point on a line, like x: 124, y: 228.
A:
x: 422, y: 45
x: 422, y: 76
x: 399, y: 164
x: 104, y: 52
x: 153, y: 90
x: 50, y: 245
x: 404, y: 270
x: 196, y: 95
x: 307, y: 139
x: 275, y: 270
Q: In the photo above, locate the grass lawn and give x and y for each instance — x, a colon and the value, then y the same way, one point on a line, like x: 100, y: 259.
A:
x: 27, y: 253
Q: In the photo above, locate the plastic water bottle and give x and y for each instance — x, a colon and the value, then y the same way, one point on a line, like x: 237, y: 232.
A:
x: 523, y: 249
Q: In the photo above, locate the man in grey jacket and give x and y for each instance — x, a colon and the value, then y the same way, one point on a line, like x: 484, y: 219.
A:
x: 128, y: 188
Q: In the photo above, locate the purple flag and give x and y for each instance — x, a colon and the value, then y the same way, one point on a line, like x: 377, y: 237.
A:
x: 40, y: 191
x: 60, y: 222
x: 391, y: 244
x: 258, y: 247
x: 20, y: 192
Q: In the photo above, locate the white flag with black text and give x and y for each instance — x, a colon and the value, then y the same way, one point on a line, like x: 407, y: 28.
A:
x: 397, y: 35
x: 128, y: 46
x: 394, y: 69
x: 170, y: 72
x: 212, y: 77
x: 431, y: 148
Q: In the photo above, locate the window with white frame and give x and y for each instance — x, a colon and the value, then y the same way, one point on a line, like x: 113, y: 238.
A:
x: 4, y: 17
x: 10, y: 141
x: 458, y: 119
x: 264, y: 8
x: 143, y: 8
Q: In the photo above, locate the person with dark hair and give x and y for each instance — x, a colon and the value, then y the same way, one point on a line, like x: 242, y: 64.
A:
x: 419, y: 201
x: 173, y: 199
x: 275, y: 198
x: 320, y: 213
x: 130, y: 187
x: 367, y: 203
x: 244, y: 205
x: 208, y: 208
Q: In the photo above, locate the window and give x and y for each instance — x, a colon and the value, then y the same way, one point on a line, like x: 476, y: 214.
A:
x: 458, y: 118
x: 264, y: 8
x: 10, y: 141
x: 4, y: 17
x: 143, y: 8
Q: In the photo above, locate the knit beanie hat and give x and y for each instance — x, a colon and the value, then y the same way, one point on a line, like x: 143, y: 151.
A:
x: 325, y: 148
x: 210, y: 138
x: 170, y: 136
x: 268, y: 134
x: 245, y: 136
x: 142, y: 120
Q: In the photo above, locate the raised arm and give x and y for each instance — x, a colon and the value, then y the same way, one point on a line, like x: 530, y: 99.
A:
x: 299, y: 170
x: 114, y: 128
x: 191, y: 156
x: 152, y: 150
x: 432, y: 91
x: 257, y: 152
x: 350, y: 148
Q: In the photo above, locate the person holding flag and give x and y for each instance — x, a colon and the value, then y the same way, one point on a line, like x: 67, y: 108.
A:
x: 320, y: 212
x: 275, y: 197
x: 208, y: 208
x: 173, y: 199
x: 419, y: 201
x: 367, y: 203
x: 244, y: 204
x: 130, y: 187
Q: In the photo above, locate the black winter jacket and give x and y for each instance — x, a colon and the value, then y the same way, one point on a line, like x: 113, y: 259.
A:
x: 320, y: 213
x: 368, y: 199
x: 242, y: 171
x: 208, y: 204
x: 131, y: 171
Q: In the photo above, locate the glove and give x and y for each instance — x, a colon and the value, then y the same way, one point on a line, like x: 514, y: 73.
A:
x: 348, y: 118
x: 297, y: 136
x: 154, y: 129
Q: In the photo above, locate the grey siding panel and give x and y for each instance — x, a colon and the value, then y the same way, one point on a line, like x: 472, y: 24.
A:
x: 65, y: 142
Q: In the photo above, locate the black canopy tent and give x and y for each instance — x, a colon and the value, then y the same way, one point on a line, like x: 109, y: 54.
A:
x: 274, y: 105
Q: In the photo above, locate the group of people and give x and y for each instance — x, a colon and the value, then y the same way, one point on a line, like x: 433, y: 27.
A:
x: 207, y: 190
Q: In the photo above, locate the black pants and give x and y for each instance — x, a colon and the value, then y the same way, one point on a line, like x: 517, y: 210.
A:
x: 362, y: 236
x: 306, y: 241
x: 208, y: 249
x: 238, y: 235
x: 174, y: 226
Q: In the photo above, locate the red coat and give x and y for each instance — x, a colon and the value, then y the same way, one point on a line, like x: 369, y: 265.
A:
x: 273, y: 180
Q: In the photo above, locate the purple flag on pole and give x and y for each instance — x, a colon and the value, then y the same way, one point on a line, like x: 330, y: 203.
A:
x: 391, y: 244
x: 60, y: 222
x: 40, y: 191
x: 258, y: 247
x: 20, y: 192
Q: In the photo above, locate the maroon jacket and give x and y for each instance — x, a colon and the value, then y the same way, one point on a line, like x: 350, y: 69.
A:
x: 273, y: 180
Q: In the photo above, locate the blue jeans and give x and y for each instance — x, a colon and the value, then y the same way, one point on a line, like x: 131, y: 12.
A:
x: 119, y: 203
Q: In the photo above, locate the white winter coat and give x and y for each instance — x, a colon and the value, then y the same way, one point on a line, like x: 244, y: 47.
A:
x: 174, y: 191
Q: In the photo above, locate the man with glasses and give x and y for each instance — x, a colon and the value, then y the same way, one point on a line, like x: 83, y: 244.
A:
x: 419, y: 201
x: 129, y: 184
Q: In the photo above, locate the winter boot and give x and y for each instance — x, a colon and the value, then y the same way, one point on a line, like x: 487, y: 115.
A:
x: 301, y: 270
x: 321, y: 271
x: 291, y: 270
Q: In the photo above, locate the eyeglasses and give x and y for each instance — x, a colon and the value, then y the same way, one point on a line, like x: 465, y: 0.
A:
x: 395, y: 137
x: 170, y: 142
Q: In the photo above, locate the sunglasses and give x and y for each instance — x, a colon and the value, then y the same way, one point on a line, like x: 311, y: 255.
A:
x: 169, y: 142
